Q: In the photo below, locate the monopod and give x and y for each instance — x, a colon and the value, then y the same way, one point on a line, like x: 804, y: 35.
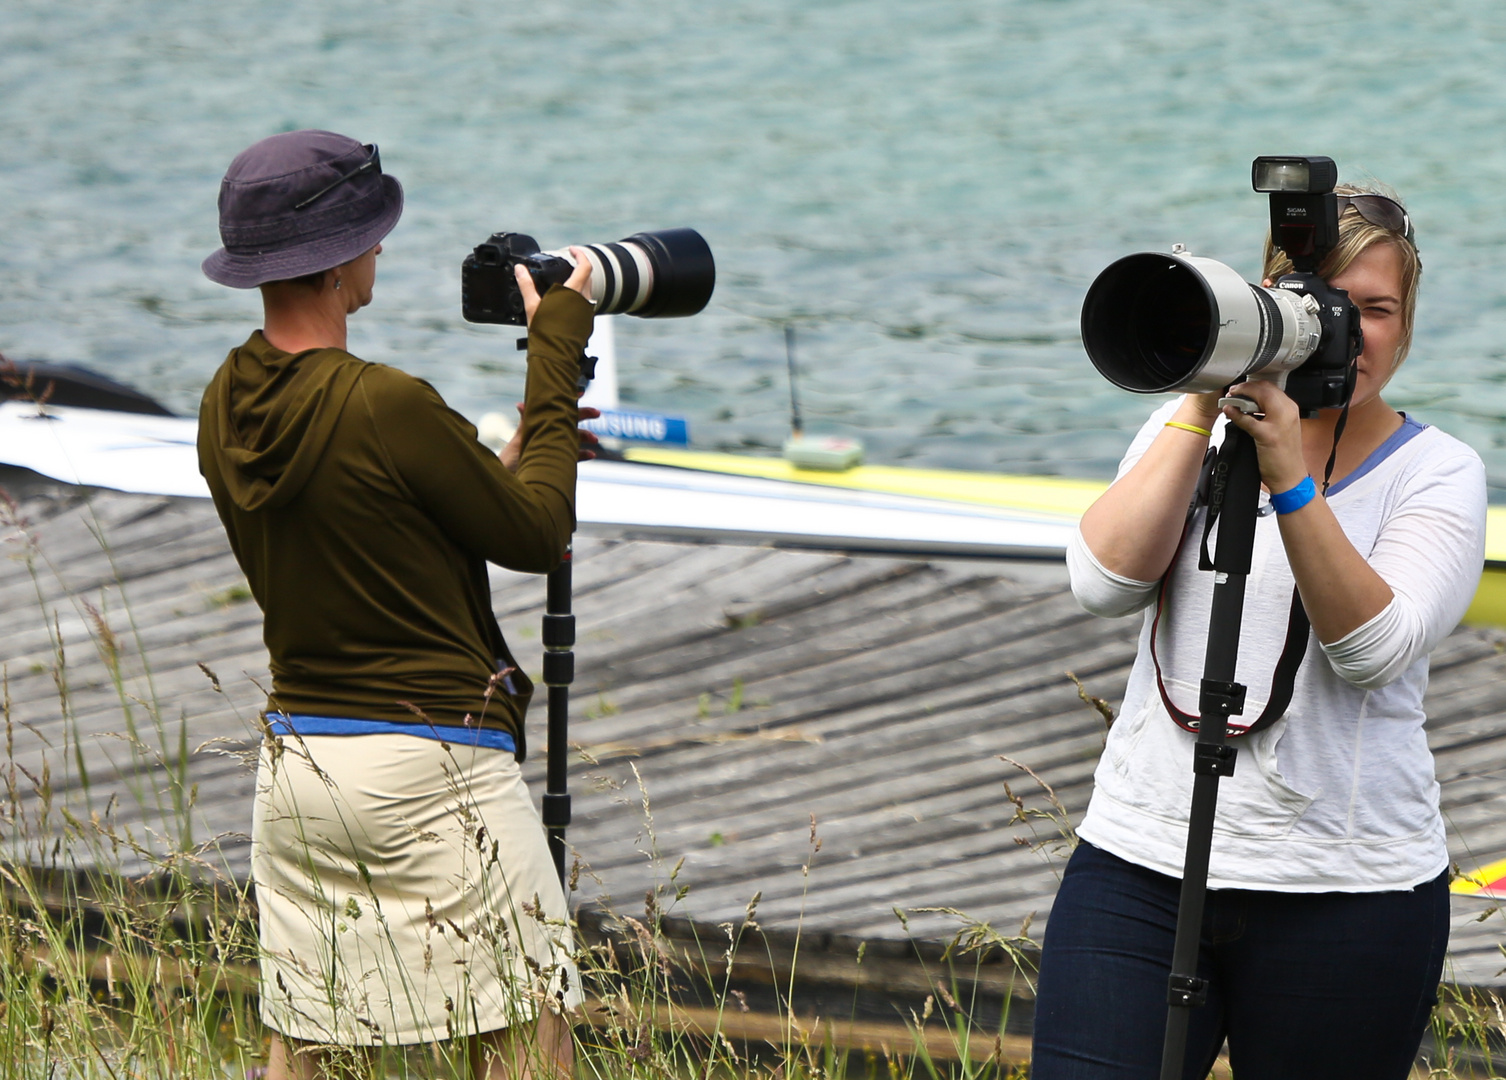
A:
x: 559, y: 672
x: 1234, y: 496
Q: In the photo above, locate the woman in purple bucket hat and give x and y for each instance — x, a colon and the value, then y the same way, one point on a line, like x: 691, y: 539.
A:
x: 404, y: 887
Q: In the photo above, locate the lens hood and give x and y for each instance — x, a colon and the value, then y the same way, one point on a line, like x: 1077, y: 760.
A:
x: 684, y: 272
x: 1155, y: 323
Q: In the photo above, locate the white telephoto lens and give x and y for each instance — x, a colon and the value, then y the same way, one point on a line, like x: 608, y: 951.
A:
x: 1257, y: 332
x: 1156, y: 323
x: 645, y: 275
x: 622, y: 277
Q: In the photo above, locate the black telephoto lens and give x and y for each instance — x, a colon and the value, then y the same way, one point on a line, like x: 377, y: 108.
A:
x: 654, y: 275
x: 665, y: 274
x: 684, y: 272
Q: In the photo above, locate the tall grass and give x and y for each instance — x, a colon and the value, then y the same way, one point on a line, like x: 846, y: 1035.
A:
x: 125, y: 945
x: 128, y: 944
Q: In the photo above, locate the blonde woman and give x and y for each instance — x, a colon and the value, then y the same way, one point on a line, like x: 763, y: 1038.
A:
x: 1328, y: 912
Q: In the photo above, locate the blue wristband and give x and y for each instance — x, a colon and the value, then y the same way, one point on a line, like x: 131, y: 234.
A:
x: 1287, y: 501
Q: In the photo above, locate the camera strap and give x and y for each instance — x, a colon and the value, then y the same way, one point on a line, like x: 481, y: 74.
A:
x: 1209, y: 494
x: 1338, y: 433
x: 1283, y: 680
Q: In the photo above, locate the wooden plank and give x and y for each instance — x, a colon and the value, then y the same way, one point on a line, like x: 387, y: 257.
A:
x: 928, y: 673
x: 771, y: 768
x: 859, y: 656
x: 891, y: 688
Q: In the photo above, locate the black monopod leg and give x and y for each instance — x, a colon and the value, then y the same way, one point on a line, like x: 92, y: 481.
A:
x: 1236, y: 478
x: 559, y: 672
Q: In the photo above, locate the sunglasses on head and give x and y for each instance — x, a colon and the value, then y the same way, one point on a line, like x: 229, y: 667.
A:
x: 1381, y: 210
x: 373, y: 163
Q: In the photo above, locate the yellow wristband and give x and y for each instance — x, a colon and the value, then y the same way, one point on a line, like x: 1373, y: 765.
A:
x: 1204, y: 432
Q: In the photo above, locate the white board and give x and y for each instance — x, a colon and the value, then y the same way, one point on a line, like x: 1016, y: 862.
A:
x: 156, y: 455
x: 151, y: 455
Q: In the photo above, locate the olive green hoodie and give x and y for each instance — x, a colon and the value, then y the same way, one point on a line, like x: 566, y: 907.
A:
x: 363, y: 512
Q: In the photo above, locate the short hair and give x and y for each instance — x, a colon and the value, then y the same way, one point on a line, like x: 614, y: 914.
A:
x: 1356, y: 235
x: 313, y: 282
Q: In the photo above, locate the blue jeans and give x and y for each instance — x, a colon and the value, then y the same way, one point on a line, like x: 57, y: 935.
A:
x: 1331, y: 985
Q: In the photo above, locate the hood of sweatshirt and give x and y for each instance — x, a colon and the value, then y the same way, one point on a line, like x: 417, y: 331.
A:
x: 267, y: 416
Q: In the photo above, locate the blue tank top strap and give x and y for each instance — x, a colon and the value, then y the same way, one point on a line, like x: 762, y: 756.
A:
x: 300, y: 724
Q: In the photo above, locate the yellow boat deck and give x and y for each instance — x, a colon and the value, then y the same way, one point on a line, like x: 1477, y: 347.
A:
x: 1036, y: 494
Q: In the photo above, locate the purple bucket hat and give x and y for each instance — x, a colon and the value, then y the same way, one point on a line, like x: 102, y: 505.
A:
x: 298, y: 203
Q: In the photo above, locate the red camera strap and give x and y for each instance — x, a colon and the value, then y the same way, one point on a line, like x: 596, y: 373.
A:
x: 1298, y: 627
x: 1283, y: 680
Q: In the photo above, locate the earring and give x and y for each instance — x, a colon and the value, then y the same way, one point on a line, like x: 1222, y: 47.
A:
x: 337, y: 283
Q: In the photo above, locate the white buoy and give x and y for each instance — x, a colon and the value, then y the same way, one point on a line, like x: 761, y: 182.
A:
x: 829, y: 453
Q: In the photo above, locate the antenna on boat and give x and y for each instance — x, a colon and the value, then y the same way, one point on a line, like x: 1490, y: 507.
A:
x: 797, y: 426
x: 824, y: 453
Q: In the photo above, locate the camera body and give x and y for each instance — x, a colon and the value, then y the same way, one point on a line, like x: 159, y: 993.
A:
x: 1305, y: 225
x: 1325, y: 380
x: 1154, y: 323
x: 488, y: 282
x: 664, y: 274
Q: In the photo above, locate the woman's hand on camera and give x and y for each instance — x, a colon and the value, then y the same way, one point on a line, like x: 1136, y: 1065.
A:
x: 579, y: 280
x: 1278, y: 437
x: 1340, y: 590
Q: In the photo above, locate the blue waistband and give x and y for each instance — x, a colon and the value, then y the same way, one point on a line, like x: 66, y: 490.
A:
x: 298, y: 724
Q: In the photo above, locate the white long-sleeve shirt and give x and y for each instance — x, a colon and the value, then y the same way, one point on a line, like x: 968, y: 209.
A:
x: 1340, y: 795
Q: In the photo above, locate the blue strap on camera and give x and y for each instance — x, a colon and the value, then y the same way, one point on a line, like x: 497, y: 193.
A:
x: 1288, y: 501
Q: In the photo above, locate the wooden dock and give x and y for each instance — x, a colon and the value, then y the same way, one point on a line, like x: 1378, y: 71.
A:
x: 734, y: 706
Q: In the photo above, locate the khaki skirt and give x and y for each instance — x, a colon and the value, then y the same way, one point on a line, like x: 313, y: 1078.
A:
x: 405, y: 892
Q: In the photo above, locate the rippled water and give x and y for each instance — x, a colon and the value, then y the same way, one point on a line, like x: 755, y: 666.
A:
x: 924, y: 189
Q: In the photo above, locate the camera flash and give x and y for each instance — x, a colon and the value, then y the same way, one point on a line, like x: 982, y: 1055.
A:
x: 1297, y: 175
x: 1280, y: 175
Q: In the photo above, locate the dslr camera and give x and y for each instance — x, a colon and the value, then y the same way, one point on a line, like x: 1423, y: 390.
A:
x: 654, y: 275
x: 1155, y: 323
